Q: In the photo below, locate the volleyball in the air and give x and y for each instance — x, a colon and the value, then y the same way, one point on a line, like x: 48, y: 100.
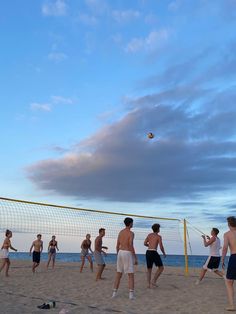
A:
x: 150, y: 135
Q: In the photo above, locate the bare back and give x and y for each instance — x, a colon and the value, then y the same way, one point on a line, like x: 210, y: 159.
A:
x: 152, y: 241
x: 230, y: 238
x: 125, y: 240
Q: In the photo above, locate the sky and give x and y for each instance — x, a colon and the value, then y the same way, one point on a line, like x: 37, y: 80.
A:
x: 84, y: 81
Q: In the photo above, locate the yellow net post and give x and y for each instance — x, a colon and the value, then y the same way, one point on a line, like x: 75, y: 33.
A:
x: 185, y: 248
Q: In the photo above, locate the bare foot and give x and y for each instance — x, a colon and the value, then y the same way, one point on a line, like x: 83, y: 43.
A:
x: 154, y: 284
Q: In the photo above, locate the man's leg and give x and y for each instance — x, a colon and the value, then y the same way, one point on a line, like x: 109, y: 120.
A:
x: 149, y: 275
x: 230, y: 291
x: 157, y: 274
x: 116, y: 283
x: 131, y: 285
x: 219, y: 273
x: 202, y: 275
x: 100, y: 271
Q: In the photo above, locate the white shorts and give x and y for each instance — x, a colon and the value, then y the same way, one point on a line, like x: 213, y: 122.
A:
x: 4, y: 253
x: 125, y: 262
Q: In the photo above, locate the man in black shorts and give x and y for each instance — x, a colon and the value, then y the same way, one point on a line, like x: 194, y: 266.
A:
x: 152, y: 241
x: 230, y: 242
x: 38, y: 248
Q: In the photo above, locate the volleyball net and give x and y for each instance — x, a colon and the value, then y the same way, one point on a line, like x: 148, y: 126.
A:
x: 31, y: 217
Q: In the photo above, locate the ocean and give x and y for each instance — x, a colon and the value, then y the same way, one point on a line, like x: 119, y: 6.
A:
x: 195, y: 261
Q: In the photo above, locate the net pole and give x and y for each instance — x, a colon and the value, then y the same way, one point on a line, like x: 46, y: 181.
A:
x: 185, y: 248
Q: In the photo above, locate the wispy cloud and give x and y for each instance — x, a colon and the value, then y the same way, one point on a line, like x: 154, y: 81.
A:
x: 40, y: 107
x: 87, y: 19
x: 125, y: 16
x: 61, y: 100
x: 57, y: 56
x: 54, y: 8
x: 154, y: 40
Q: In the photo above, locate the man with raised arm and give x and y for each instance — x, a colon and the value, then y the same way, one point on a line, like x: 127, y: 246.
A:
x: 152, y: 257
x: 213, y: 261
x: 230, y: 242
x: 126, y: 257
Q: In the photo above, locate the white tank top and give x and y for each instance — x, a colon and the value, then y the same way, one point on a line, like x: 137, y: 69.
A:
x: 215, y: 248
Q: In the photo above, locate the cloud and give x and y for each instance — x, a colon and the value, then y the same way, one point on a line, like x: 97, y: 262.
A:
x: 125, y: 16
x: 54, y: 8
x: 57, y: 56
x: 87, y: 19
x: 61, y: 100
x: 98, y: 7
x: 154, y: 40
x: 175, y: 5
x: 40, y: 107
x: 120, y: 164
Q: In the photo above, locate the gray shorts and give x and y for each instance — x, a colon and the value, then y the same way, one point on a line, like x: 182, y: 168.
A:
x: 99, y: 258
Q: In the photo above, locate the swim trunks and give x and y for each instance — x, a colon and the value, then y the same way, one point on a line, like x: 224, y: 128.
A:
x: 153, y: 257
x: 36, y: 257
x: 231, y: 270
x: 212, y: 263
x: 99, y: 258
x: 125, y: 262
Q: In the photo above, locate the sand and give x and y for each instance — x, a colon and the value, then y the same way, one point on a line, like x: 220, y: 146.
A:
x: 80, y: 293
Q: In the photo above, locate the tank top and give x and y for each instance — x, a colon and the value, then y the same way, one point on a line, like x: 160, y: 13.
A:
x: 215, y: 248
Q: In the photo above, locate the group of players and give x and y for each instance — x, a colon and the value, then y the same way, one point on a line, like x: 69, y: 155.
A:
x: 126, y: 256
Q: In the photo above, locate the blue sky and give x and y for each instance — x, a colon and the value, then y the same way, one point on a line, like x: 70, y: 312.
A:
x: 83, y: 82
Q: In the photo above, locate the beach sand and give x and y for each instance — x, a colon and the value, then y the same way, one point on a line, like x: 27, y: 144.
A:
x: 80, y: 293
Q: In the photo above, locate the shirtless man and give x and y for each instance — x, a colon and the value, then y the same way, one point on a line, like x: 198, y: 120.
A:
x: 230, y: 242
x: 98, y: 253
x: 38, y: 248
x: 5, y: 252
x: 52, y: 247
x: 126, y: 257
x: 152, y: 241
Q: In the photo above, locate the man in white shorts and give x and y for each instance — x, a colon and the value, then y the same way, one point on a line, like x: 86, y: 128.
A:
x: 126, y: 257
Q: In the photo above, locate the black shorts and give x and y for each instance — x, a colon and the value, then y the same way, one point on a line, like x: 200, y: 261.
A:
x: 231, y: 270
x: 36, y: 257
x: 212, y: 263
x: 153, y: 257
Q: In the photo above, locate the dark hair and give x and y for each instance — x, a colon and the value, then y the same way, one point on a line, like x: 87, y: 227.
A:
x: 39, y: 235
x: 101, y: 229
x: 128, y: 221
x: 7, y: 232
x: 232, y: 221
x: 215, y: 230
x: 155, y: 227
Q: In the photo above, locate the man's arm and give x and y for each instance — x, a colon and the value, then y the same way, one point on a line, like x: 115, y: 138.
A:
x: 162, y: 247
x: 224, y: 250
x: 118, y: 244
x: 31, y: 248
x: 56, y: 246
x: 146, y: 242
x: 41, y: 247
x: 131, y: 244
x: 209, y: 242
